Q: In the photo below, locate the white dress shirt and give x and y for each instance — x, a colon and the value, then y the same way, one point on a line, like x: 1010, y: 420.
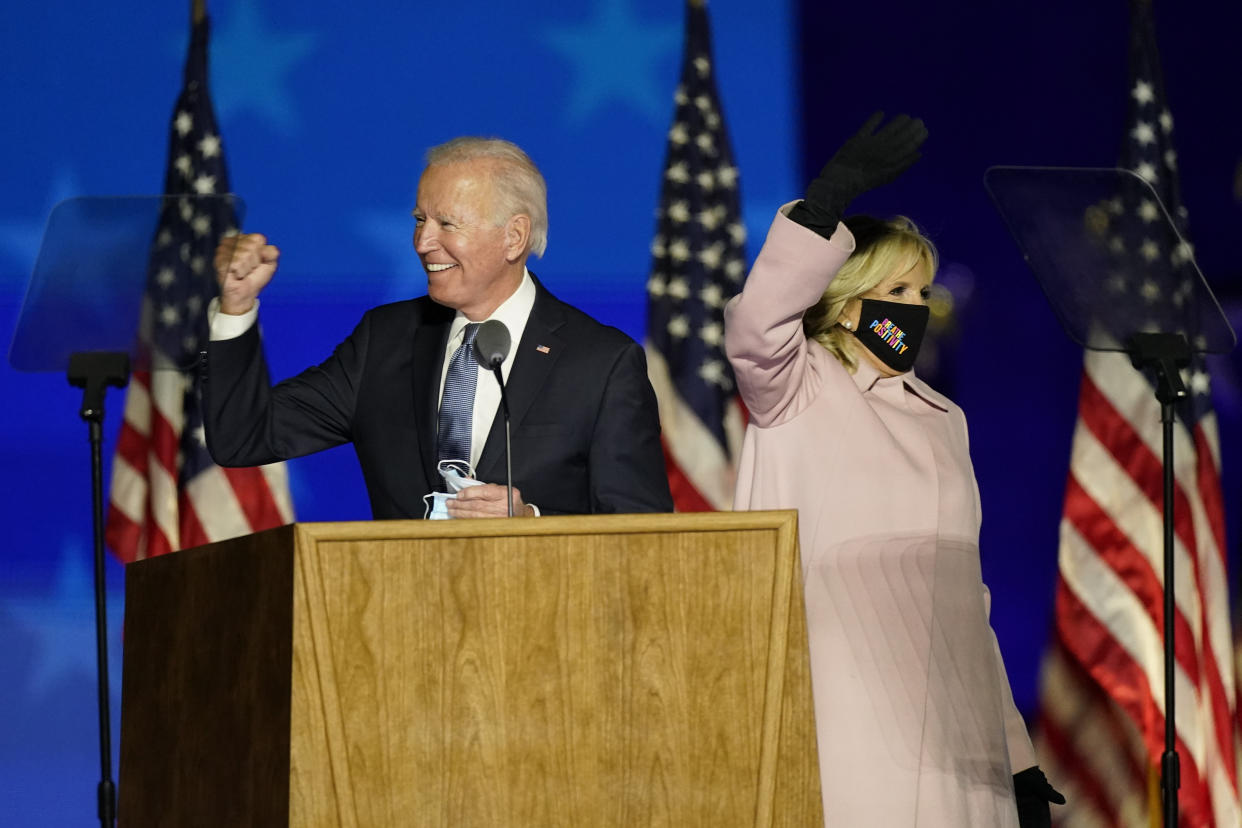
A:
x: 513, y: 312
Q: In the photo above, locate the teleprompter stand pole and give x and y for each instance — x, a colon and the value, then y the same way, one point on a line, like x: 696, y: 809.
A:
x: 94, y: 371
x: 1165, y: 354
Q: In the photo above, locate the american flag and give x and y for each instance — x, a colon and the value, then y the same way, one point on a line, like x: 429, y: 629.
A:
x: 698, y: 260
x: 1101, y: 729
x: 166, y: 494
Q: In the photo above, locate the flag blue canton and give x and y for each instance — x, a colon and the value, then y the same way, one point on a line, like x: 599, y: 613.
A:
x: 698, y: 254
x: 180, y: 277
x: 1160, y: 278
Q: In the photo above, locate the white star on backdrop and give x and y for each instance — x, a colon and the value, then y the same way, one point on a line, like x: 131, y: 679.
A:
x: 615, y: 57
x: 21, y: 237
x: 390, y: 234
x: 63, y: 624
x: 251, y: 62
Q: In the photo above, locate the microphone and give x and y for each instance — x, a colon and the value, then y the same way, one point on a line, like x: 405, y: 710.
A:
x: 491, y: 345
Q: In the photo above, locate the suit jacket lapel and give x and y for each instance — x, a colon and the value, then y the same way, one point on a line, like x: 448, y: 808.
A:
x: 430, y: 339
x: 531, y: 370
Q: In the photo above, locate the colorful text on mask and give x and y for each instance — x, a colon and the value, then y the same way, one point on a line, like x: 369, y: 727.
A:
x: 892, y: 335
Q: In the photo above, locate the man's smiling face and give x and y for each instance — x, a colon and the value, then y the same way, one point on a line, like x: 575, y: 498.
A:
x: 462, y: 245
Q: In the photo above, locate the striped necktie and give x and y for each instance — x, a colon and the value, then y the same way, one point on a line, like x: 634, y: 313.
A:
x: 457, y: 402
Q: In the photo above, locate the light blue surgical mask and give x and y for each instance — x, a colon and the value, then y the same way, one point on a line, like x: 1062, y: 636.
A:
x: 457, y: 475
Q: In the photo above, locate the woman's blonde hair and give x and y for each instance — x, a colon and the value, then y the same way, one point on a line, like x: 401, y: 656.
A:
x: 882, y: 247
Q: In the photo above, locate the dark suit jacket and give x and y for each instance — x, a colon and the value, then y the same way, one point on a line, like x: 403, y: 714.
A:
x: 584, y: 422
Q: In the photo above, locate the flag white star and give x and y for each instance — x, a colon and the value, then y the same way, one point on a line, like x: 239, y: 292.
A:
x: 209, y: 146
x: 1143, y: 92
x: 679, y: 251
x: 712, y: 371
x: 726, y: 176
x: 737, y: 232
x: 679, y: 212
x: 184, y: 165
x: 657, y: 247
x: 201, y: 224
x: 712, y: 295
x: 710, y: 218
x: 677, y: 173
x: 1146, y: 172
x: 205, y: 184
x: 1147, y: 211
x: 656, y: 285
x: 678, y: 327
x: 712, y: 333
x: 706, y: 143
x: 183, y: 123
x: 1166, y: 121
x: 1149, y: 250
x: 678, y: 134
x: 711, y: 256
x: 702, y: 65
x: 1143, y: 133
x: 678, y: 289
x: 735, y: 269
x: 165, y: 277
x: 706, y: 180
x: 1150, y: 290
x: 169, y: 316
x: 1200, y: 382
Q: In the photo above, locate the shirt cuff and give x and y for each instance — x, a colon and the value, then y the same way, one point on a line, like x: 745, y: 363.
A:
x: 536, y: 509
x: 227, y: 325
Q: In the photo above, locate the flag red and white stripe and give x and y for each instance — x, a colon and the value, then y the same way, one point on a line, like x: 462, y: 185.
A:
x: 1102, y: 717
x: 1110, y: 614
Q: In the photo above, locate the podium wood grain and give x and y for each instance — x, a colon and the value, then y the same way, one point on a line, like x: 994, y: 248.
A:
x: 588, y: 671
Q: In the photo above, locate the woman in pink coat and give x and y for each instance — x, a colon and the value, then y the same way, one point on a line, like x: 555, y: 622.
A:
x: 915, y: 721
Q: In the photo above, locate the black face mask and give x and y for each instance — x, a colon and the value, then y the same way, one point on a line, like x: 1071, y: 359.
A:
x: 893, y: 331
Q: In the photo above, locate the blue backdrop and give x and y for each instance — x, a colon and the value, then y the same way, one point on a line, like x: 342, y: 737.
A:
x: 326, y: 110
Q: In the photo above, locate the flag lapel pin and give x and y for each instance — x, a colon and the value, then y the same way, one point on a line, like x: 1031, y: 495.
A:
x: 543, y: 349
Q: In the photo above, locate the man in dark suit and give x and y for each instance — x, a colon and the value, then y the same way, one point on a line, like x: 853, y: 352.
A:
x: 584, y: 422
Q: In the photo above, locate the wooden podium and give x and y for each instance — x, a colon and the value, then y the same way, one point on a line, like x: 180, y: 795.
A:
x: 559, y: 671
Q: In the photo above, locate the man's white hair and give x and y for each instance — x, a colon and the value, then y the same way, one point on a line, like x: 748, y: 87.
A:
x: 519, y: 186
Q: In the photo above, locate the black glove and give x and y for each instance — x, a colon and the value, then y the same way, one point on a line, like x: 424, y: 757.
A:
x: 864, y: 162
x: 1031, y: 789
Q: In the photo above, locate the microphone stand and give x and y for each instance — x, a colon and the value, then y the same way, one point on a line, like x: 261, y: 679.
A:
x: 94, y: 371
x: 1164, y: 354
x: 504, y: 407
